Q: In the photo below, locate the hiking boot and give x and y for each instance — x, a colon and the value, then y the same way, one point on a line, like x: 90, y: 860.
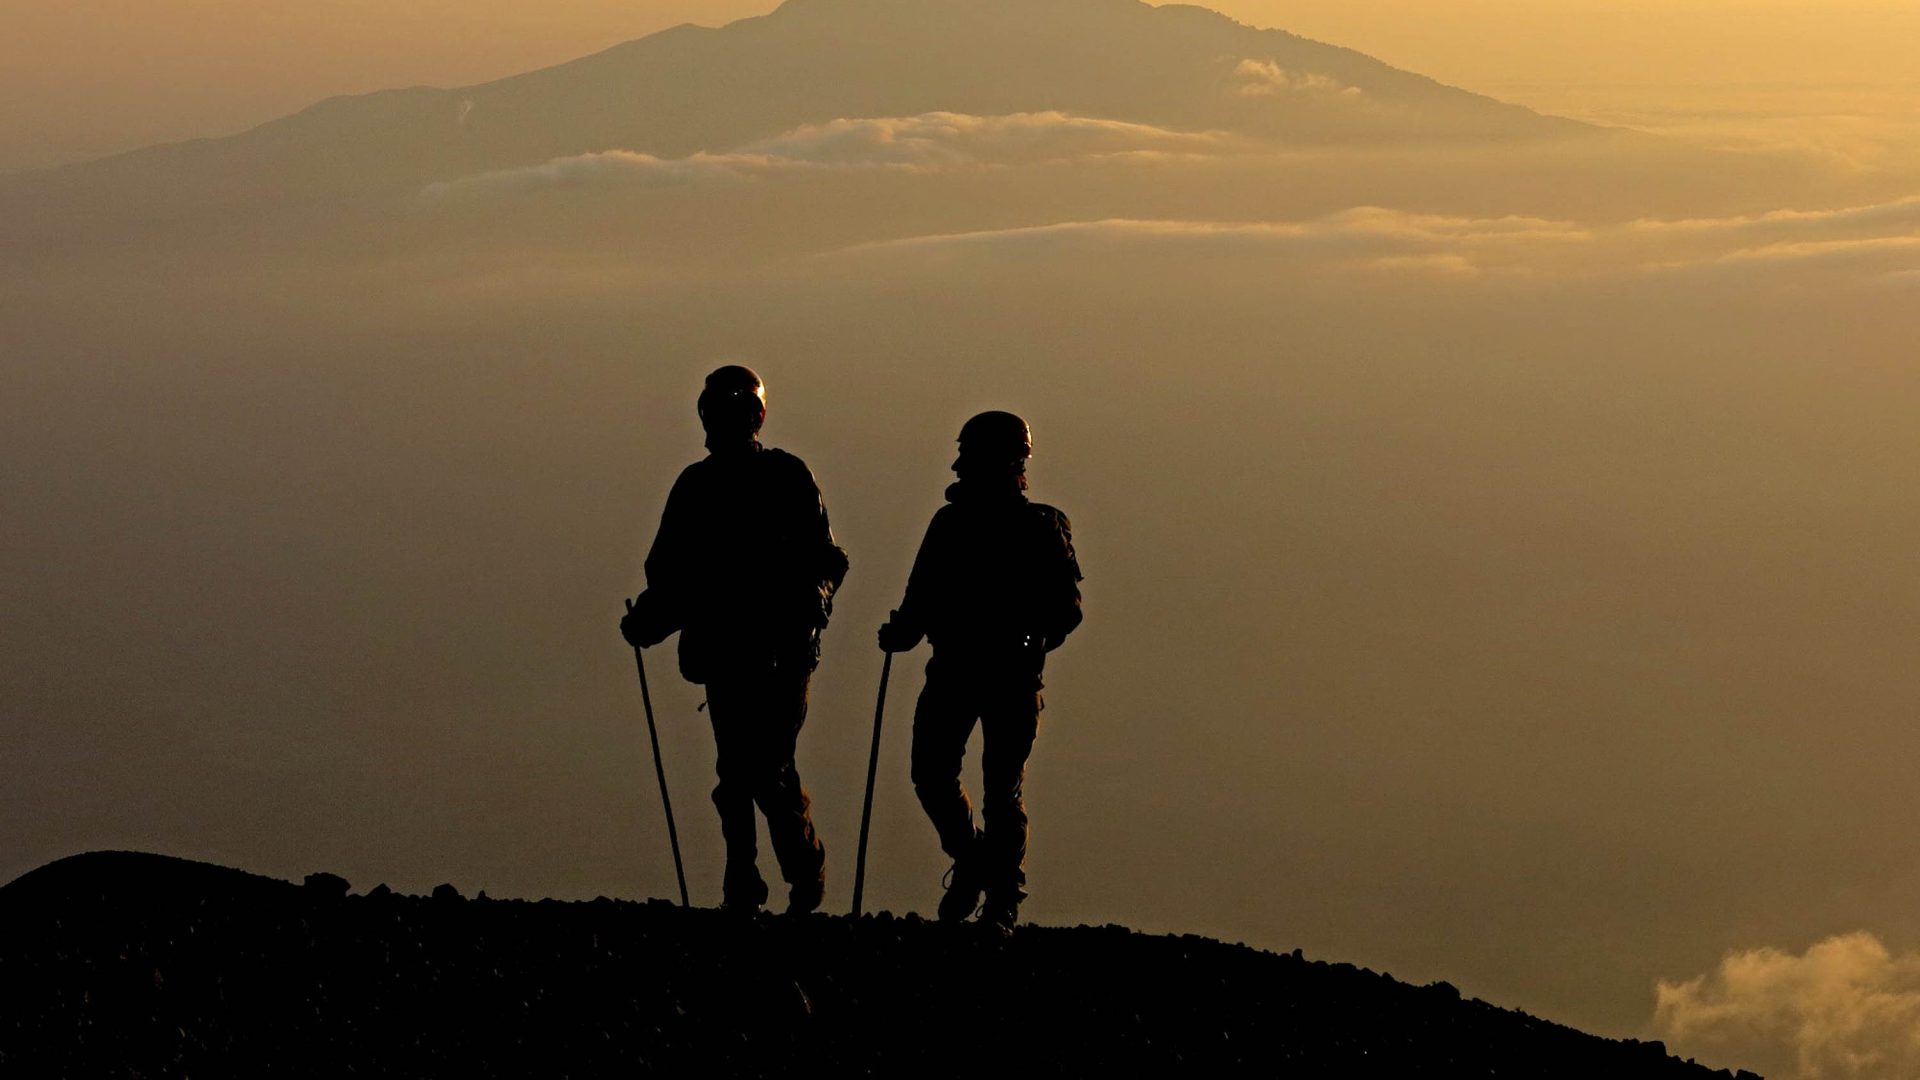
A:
x: 743, y: 896
x: 804, y: 897
x: 963, y: 892
x: 999, y: 915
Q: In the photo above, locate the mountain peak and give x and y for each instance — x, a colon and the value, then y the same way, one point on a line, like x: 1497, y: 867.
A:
x: 690, y: 90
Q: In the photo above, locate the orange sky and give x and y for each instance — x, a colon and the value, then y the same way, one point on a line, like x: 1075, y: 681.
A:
x: 83, y: 78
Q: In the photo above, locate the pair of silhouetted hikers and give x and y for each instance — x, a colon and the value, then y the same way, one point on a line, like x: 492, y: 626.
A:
x: 745, y: 567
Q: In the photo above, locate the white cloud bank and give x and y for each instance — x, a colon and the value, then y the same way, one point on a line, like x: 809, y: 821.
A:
x: 1846, y: 1009
x: 929, y: 142
x: 941, y: 139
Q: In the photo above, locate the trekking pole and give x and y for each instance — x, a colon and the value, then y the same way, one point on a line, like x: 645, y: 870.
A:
x: 873, y: 764
x: 659, y: 770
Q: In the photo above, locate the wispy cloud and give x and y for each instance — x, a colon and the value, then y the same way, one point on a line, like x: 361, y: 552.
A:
x: 1846, y: 1008
x: 1871, y: 242
x: 612, y: 168
x: 1892, y: 253
x: 1264, y: 78
x: 1361, y: 236
x: 1881, y: 219
x: 948, y: 139
x: 930, y: 142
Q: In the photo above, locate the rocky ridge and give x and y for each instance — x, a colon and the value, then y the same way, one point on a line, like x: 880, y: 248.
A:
x: 129, y: 964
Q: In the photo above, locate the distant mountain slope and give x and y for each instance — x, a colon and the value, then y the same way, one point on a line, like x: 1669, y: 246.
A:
x: 693, y: 88
x: 117, y: 963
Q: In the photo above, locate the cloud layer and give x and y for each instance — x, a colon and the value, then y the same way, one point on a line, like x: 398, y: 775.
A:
x: 1363, y: 236
x: 929, y: 142
x: 1877, y: 243
x: 938, y: 139
x: 1880, y: 243
x: 1846, y: 1008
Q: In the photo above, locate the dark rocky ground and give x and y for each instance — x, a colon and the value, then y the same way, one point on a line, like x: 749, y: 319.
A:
x: 118, y: 964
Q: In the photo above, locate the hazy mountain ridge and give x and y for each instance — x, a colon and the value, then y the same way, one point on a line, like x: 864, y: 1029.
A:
x: 691, y: 89
x: 128, y: 962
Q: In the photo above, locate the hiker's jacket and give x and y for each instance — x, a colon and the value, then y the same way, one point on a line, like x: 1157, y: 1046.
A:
x: 996, y: 578
x: 745, y: 563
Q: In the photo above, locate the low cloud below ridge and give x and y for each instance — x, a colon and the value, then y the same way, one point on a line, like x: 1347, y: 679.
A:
x: 1878, y: 242
x: 929, y: 142
x: 1265, y: 78
x: 1846, y: 1009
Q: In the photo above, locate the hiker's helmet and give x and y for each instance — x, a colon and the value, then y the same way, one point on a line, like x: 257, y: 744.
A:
x: 996, y: 435
x: 733, y: 401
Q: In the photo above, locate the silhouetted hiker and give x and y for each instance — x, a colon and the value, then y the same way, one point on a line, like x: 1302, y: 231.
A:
x: 995, y: 588
x: 745, y: 567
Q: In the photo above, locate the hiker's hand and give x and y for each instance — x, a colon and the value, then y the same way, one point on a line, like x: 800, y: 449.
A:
x: 896, y: 636
x: 644, y: 625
